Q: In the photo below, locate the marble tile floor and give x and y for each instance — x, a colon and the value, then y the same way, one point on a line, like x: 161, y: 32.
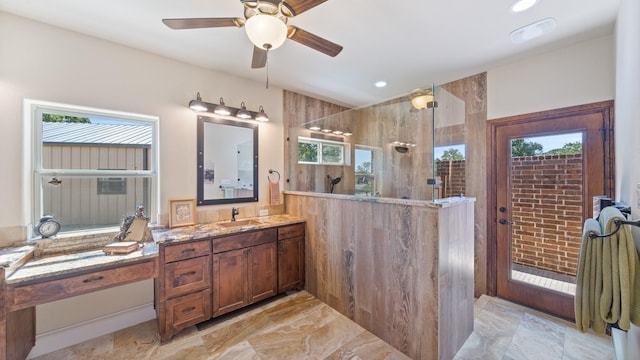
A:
x: 299, y: 326
x: 506, y: 331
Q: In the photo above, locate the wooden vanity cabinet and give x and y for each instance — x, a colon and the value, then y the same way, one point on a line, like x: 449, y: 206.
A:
x: 290, y: 257
x: 244, y: 269
x: 183, y: 286
x: 206, y: 278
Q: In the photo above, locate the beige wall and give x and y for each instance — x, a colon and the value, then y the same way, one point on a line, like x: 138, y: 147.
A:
x: 628, y: 105
x: 51, y: 64
x: 578, y: 74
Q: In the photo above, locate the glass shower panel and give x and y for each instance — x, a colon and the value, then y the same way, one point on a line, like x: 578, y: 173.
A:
x: 389, y: 149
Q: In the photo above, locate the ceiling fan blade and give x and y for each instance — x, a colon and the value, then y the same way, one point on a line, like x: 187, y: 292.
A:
x: 259, y: 59
x: 313, y: 41
x: 197, y: 23
x: 297, y: 7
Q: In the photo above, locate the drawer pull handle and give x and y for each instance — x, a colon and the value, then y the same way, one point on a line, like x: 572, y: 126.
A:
x: 189, y: 309
x: 97, y: 278
x: 188, y: 251
x: 190, y: 273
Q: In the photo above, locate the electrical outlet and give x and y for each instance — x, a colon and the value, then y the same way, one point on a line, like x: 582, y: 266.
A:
x: 264, y: 212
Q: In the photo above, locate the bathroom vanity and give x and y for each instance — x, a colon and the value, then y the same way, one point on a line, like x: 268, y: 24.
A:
x: 200, y: 272
x: 209, y: 270
x: 26, y: 282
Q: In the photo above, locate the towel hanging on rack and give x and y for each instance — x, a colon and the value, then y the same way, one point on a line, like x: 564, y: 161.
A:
x: 589, y: 280
x: 274, y: 188
x: 620, y: 299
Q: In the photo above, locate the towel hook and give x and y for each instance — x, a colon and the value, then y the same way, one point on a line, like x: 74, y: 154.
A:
x: 271, y: 171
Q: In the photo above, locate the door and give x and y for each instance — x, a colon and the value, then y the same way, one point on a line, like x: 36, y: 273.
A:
x: 543, y: 197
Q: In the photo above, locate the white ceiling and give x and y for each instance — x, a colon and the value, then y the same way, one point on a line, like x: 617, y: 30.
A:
x: 408, y: 43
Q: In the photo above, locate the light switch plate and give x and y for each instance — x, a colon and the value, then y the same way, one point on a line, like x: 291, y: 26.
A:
x: 264, y: 212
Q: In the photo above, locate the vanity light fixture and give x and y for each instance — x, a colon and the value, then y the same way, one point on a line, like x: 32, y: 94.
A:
x: 262, y: 116
x: 402, y: 147
x: 197, y: 104
x: 222, y: 109
x: 422, y: 99
x: 243, y: 113
x: 328, y: 130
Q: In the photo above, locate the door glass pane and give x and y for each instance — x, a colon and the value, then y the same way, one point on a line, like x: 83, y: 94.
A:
x: 546, y: 210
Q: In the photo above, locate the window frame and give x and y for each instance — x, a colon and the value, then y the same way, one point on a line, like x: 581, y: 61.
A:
x: 34, y: 174
x: 345, y: 147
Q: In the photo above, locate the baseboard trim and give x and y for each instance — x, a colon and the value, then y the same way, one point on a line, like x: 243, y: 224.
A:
x: 75, y: 334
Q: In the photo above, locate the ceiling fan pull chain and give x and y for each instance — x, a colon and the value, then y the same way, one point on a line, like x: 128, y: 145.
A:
x: 267, y: 63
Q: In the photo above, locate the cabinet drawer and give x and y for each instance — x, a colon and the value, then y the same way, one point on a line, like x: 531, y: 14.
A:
x: 47, y: 291
x: 291, y: 231
x: 186, y: 276
x: 233, y: 242
x: 188, y: 310
x: 187, y: 251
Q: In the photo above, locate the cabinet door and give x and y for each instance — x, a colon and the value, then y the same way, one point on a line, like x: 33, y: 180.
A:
x: 290, y: 263
x: 263, y: 267
x: 229, y: 281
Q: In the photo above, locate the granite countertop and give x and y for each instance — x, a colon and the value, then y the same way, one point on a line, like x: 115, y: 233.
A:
x: 437, y: 203
x: 215, y: 229
x: 53, y: 266
x: 25, y: 269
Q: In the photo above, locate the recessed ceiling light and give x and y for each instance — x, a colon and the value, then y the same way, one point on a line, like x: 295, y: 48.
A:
x: 532, y: 31
x: 522, y: 5
x: 381, y: 84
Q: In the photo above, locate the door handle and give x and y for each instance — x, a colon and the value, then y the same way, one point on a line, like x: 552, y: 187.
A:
x: 505, y: 221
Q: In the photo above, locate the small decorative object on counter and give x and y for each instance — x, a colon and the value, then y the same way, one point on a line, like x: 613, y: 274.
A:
x: 47, y: 227
x: 133, y: 227
x: 121, y: 248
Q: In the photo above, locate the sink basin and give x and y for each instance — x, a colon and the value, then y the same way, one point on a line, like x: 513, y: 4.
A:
x: 237, y: 223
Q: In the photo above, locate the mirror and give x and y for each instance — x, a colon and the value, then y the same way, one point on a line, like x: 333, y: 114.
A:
x: 227, y: 161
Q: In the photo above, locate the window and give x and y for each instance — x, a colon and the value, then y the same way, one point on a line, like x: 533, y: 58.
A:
x: 112, y: 185
x: 366, y: 163
x: 321, y: 152
x: 91, y: 167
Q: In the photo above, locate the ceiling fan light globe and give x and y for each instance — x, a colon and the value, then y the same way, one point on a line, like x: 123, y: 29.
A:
x: 265, y: 31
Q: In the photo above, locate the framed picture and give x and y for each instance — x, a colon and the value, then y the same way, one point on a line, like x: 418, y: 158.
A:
x: 182, y: 212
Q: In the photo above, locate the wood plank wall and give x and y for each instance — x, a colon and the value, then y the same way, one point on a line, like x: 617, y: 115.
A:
x: 473, y: 91
x: 403, y: 272
x: 402, y: 174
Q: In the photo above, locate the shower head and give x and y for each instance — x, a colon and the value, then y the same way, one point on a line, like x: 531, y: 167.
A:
x: 333, y: 182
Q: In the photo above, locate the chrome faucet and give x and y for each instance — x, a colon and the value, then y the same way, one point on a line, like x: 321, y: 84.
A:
x: 234, y: 212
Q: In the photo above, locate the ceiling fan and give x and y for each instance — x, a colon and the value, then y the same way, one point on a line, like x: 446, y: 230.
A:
x: 266, y: 24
